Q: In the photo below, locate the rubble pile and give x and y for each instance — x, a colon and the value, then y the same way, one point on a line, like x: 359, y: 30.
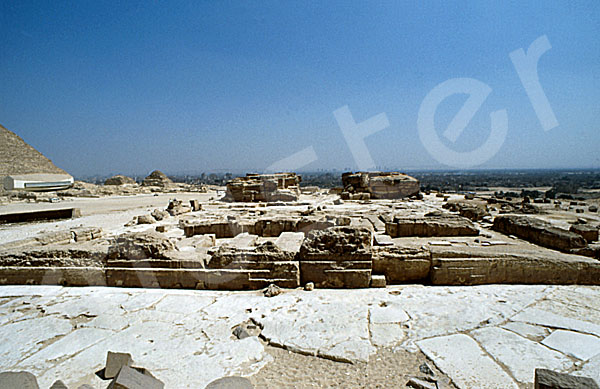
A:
x: 264, y: 187
x: 378, y: 185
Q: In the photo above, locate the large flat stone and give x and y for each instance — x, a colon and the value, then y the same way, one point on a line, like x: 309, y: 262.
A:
x: 520, y: 355
x: 582, y: 346
x: 461, y: 358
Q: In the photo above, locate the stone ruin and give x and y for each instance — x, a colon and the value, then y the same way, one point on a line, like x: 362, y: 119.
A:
x: 157, y: 178
x: 378, y: 185
x: 264, y: 188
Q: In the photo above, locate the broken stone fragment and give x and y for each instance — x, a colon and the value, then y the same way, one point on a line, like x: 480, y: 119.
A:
x: 309, y: 286
x: 145, y: 219
x: 247, y: 329
x: 420, y: 383
x: 272, y: 290
x: 114, y: 362
x: 230, y: 383
x: 159, y: 214
x: 548, y: 379
x: 130, y: 378
x: 378, y: 281
x: 59, y: 385
x: 195, y: 205
x: 588, y: 232
x: 18, y: 379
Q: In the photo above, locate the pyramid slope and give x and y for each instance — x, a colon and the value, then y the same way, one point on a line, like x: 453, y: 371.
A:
x: 17, y: 157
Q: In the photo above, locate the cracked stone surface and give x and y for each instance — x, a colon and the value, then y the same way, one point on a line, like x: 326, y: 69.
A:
x: 486, y: 336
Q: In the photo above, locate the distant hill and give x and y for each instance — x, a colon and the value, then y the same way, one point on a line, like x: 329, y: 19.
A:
x: 17, y: 157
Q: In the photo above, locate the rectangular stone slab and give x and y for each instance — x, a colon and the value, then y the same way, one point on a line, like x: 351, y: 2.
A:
x: 50, y: 214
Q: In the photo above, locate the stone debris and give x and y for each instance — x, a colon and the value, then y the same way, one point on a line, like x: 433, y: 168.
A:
x: 272, y: 291
x: 140, y: 245
x: 232, y: 382
x: 176, y: 207
x: 548, y: 379
x: 195, y: 205
x: 264, y: 188
x: 379, y: 185
x: 310, y: 286
x: 145, y: 219
x: 159, y: 214
x: 18, y: 379
x: 246, y: 329
x: 114, y: 362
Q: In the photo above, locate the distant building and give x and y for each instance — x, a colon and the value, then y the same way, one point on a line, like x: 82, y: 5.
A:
x: 38, y: 182
x: 24, y: 168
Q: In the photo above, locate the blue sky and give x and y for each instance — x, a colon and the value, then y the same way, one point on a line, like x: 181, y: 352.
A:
x: 190, y: 86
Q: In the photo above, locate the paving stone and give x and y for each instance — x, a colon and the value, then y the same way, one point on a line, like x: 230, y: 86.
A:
x: 461, y: 358
x: 527, y: 330
x: 548, y: 379
x: 590, y: 369
x: 129, y: 378
x: 26, y: 337
x: 243, y: 241
x: 114, y: 362
x: 71, y: 344
x: 520, y: 355
x: 551, y: 319
x: 582, y: 346
x: 389, y: 313
x: 18, y: 379
x: 230, y: 383
x: 386, y: 335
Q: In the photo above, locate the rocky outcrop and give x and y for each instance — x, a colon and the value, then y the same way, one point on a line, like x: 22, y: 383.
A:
x: 539, y: 232
x: 587, y: 231
x: 380, y: 185
x: 157, y: 178
x: 264, y: 188
x: 430, y: 226
x: 119, y: 180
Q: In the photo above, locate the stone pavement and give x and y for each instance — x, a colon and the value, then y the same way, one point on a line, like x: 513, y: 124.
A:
x: 490, y: 336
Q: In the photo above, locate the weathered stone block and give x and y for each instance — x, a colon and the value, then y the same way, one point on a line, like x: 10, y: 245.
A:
x: 129, y: 378
x: 114, y: 363
x: 548, y: 379
x: 431, y: 226
x: 539, y: 232
x: 402, y: 264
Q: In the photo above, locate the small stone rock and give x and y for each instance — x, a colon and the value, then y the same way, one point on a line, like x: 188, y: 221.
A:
x: 161, y: 228
x: 309, y: 286
x: 59, y: 385
x: 548, y: 379
x: 195, y: 204
x: 230, y: 383
x: 579, y: 210
x: 18, y: 379
x: 145, y: 219
x: 272, y: 290
x: 378, y: 281
x: 419, y: 383
x: 593, y: 208
x: 159, y: 214
x: 246, y: 329
x: 114, y: 362
x: 425, y: 369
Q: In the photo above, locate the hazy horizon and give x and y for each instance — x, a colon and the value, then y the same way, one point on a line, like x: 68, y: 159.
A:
x: 104, y: 88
